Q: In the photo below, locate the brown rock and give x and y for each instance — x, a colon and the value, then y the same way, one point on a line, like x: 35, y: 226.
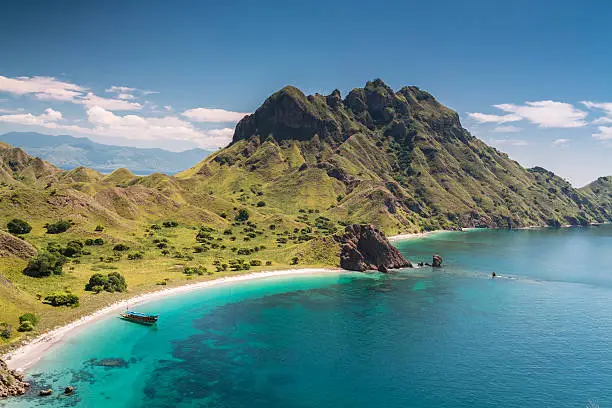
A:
x: 45, y: 393
x: 364, y: 247
x: 437, y: 261
x: 68, y: 390
x: 11, y: 382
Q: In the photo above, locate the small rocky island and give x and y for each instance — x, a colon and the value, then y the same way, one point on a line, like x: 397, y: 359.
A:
x: 11, y: 382
x: 364, y: 247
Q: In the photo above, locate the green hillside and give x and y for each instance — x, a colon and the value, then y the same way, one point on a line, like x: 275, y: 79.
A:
x: 297, y: 171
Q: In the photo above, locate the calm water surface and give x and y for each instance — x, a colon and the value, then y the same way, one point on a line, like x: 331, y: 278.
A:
x: 539, y: 336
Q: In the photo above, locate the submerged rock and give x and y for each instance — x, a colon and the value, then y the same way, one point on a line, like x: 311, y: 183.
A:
x: 11, y: 382
x: 436, y: 261
x: 364, y: 247
x: 45, y: 393
x: 69, y: 390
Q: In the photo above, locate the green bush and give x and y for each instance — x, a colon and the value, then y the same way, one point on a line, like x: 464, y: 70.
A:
x: 5, y: 330
x: 45, y: 264
x: 99, y: 228
x: 18, y: 227
x: 135, y: 256
x: 242, y: 215
x: 62, y: 299
x: 170, y: 224
x: 73, y: 248
x: 261, y: 204
x: 25, y: 327
x: 29, y: 317
x: 94, y: 242
x: 113, y: 282
x: 255, y: 262
x: 58, y: 227
x: 195, y: 270
x: 121, y: 247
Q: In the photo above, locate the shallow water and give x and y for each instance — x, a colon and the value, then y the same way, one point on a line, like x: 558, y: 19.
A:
x: 539, y: 336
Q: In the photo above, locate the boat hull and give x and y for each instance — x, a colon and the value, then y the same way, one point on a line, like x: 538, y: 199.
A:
x: 145, y: 320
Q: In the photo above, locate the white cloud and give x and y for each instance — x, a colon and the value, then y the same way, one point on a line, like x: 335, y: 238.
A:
x: 545, y: 114
x: 510, y: 142
x: 213, y: 115
x: 604, y: 106
x: 507, y: 129
x: 43, y: 88
x: 605, y: 133
x: 125, y: 96
x: 91, y: 100
x: 548, y: 114
x: 168, y: 108
x: 486, y: 118
x: 49, y: 117
x: 561, y: 142
x: 120, y: 89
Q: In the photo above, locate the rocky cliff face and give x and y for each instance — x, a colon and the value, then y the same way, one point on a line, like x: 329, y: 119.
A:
x: 11, y: 382
x: 364, y: 247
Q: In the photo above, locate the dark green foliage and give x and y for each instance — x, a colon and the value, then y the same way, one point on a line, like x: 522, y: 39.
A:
x: 99, y: 228
x: 18, y: 227
x: 261, y: 204
x: 155, y: 227
x: 242, y: 215
x: 72, y: 249
x: 58, y: 227
x: 255, y: 262
x: 25, y: 326
x: 294, y: 260
x: 113, y: 282
x: 5, y: 330
x: 195, y: 270
x: 94, y: 242
x: 170, y: 224
x: 62, y: 299
x: 45, y: 264
x: 29, y: 317
x: 135, y: 256
x: 120, y: 247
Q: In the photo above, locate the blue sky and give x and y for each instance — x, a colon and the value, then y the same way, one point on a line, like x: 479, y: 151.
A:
x: 532, y: 78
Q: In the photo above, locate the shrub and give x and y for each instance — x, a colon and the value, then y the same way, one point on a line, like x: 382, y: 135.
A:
x: 18, y: 227
x: 195, y: 270
x: 29, y: 317
x: 92, y: 242
x: 113, y: 282
x: 255, y: 262
x: 268, y: 263
x: 135, y: 256
x: 73, y: 248
x: 25, y: 327
x: 294, y: 260
x: 242, y: 215
x: 121, y: 247
x: 62, y: 299
x: 45, y: 264
x: 261, y: 204
x: 5, y: 330
x: 170, y: 224
x: 99, y: 228
x: 58, y: 227
x: 155, y: 227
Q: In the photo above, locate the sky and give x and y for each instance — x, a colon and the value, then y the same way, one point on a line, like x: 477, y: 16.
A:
x: 532, y: 78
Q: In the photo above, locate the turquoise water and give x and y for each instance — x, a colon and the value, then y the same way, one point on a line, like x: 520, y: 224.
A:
x: 539, y: 336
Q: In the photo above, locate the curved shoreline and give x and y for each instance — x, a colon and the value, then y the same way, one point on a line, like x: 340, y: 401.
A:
x: 30, y: 353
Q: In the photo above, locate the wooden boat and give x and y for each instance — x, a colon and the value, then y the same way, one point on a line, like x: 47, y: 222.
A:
x: 141, y: 318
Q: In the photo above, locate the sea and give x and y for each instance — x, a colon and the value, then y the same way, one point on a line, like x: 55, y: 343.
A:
x: 539, y: 334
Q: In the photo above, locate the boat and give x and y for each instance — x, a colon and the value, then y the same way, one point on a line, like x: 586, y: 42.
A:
x: 141, y: 318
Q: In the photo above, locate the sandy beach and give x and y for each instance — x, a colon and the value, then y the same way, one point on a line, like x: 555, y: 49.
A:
x: 414, y: 235
x: 27, y: 355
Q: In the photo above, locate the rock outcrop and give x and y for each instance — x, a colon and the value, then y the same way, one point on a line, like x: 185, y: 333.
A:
x: 11, y: 382
x: 436, y: 261
x: 13, y: 246
x: 364, y: 247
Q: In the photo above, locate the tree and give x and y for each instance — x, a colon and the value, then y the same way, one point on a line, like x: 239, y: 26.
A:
x: 116, y: 282
x: 62, y: 299
x: 18, y: 227
x: 242, y: 215
x: 29, y: 317
x: 58, y: 227
x: 45, y: 264
x: 25, y: 327
x: 113, y: 282
x: 73, y: 248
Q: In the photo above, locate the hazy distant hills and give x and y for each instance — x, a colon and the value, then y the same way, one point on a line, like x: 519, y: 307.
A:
x: 67, y: 152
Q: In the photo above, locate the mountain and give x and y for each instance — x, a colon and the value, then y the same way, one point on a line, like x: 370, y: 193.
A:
x: 68, y: 152
x: 400, y: 160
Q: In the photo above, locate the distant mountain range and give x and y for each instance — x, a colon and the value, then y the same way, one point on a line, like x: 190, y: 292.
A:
x: 67, y: 152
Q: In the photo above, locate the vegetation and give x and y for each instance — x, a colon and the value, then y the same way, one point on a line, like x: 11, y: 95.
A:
x: 58, y: 227
x: 45, y: 264
x: 62, y: 299
x: 113, y: 282
x: 18, y: 227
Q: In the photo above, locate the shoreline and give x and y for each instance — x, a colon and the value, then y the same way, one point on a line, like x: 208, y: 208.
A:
x: 414, y: 235
x: 25, y: 356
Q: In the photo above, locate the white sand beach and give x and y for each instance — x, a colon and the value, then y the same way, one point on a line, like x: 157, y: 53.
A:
x: 27, y: 355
